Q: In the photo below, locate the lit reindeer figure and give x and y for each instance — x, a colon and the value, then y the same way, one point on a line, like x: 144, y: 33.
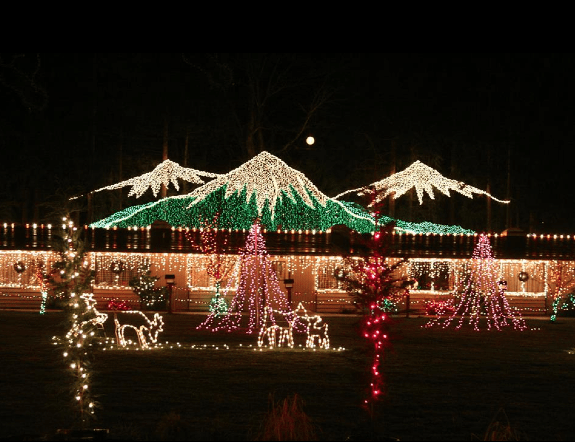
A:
x: 275, y: 334
x: 96, y: 321
x: 315, y: 330
x: 144, y: 327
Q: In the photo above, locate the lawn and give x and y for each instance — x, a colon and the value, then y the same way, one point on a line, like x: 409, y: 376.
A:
x: 441, y: 384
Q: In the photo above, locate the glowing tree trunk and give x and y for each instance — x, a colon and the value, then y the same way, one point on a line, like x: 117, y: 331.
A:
x: 72, y: 278
x: 258, y: 288
x: 483, y: 295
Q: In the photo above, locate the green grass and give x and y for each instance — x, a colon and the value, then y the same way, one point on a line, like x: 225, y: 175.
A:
x: 440, y: 384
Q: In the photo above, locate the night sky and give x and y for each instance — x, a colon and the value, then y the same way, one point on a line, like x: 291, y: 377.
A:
x: 500, y: 122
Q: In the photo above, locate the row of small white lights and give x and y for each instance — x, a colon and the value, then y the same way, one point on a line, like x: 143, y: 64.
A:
x: 300, y: 231
x: 201, y: 229
x: 534, y: 236
x: 34, y: 226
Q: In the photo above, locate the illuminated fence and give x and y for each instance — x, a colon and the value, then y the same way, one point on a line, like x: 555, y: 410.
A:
x: 168, y: 239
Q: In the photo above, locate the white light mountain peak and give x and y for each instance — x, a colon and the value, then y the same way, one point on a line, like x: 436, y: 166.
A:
x: 421, y: 177
x: 165, y: 173
x: 266, y: 176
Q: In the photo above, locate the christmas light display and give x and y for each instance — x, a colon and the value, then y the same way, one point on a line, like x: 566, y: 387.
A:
x: 43, y: 280
x: 315, y: 329
x: 73, y: 279
x: 421, y: 177
x: 424, y: 227
x: 19, y: 269
x: 212, y: 245
x: 266, y: 188
x: 19, y: 266
x: 374, y: 327
x: 165, y: 173
x: 562, y: 275
x: 267, y: 178
x: 299, y: 322
x: 438, y: 277
x: 117, y: 305
x: 277, y: 336
x: 373, y: 281
x: 564, y: 304
x: 143, y: 285
x: 482, y: 295
x: 257, y: 289
x: 374, y: 278
x: 95, y: 319
x: 146, y: 329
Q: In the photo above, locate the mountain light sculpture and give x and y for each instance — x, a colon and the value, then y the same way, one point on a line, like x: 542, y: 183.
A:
x: 421, y: 177
x: 264, y: 187
x: 164, y: 173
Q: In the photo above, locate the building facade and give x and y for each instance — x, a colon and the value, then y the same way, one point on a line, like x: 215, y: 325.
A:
x: 535, y: 269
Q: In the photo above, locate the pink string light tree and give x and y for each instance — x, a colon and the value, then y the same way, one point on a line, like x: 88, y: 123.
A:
x: 482, y: 295
x: 258, y: 289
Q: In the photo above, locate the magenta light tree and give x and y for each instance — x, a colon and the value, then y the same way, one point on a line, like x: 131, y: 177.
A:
x: 482, y: 295
x: 213, y: 244
x: 258, y: 289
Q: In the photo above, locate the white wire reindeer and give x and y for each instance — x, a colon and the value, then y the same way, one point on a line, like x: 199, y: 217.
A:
x: 277, y: 336
x: 315, y: 329
x: 145, y: 328
x: 317, y: 333
x: 96, y: 321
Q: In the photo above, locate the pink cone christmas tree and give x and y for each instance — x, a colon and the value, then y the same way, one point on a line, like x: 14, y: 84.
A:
x: 258, y: 288
x: 482, y: 295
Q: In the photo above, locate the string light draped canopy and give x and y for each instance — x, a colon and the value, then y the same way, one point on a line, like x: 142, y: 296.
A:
x: 265, y: 188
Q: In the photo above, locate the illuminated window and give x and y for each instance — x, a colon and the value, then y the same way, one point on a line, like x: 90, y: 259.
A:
x: 115, y: 272
x: 325, y: 277
x: 20, y: 270
x: 198, y: 275
x: 280, y: 267
x: 23, y: 273
x: 431, y: 275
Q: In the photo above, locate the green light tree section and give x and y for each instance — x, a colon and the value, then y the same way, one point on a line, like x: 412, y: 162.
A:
x: 238, y: 212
